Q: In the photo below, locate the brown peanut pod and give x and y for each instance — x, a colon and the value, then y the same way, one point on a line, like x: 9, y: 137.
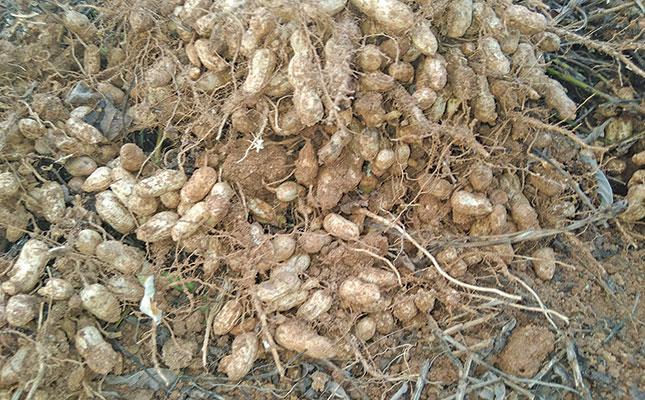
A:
x: 219, y: 200
x: 125, y: 259
x: 358, y: 292
x: 114, y: 213
x: 341, y: 227
x: 188, y: 224
x: 199, y: 185
x: 84, y: 132
x: 227, y: 317
x: 98, y: 300
x: 80, y: 166
x: 282, y: 283
x: 87, y: 240
x: 158, y: 227
x: 244, y: 352
x: 164, y: 181
x: 318, y: 303
x: 98, y: 354
x: 296, y: 336
x: 131, y: 157
x: 52, y: 201
x: 472, y: 204
x: 28, y: 269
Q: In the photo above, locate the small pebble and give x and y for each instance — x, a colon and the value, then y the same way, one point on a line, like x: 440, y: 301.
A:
x: 544, y: 263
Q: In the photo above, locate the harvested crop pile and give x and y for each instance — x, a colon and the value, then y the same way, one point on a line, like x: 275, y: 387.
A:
x: 219, y: 199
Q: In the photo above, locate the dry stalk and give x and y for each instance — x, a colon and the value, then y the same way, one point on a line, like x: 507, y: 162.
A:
x: 421, y: 382
x: 438, y: 334
x: 548, y: 127
x: 599, y: 46
x: 436, y: 265
x: 369, y: 368
x: 537, y: 298
x: 575, y: 366
x: 155, y: 360
x: 568, y: 179
x: 469, y: 324
x: 209, y: 323
x: 345, y: 374
x: 554, y: 360
x: 541, y: 310
x: 484, y: 344
x: 463, y: 377
x: 476, y: 386
x: 586, y: 254
x: 269, y: 342
x: 628, y: 236
x: 42, y: 356
x: 530, y: 234
x: 510, y: 380
x: 385, y: 260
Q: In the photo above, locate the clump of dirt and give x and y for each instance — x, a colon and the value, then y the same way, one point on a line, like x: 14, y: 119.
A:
x: 525, y: 351
x: 360, y: 199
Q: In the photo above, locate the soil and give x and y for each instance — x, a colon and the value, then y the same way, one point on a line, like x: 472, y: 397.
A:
x: 481, y: 321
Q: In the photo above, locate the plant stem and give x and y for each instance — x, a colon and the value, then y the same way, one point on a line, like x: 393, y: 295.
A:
x: 580, y: 84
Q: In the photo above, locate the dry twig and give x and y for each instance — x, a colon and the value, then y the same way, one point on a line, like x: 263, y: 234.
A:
x: 269, y: 342
x: 426, y: 253
x: 599, y: 46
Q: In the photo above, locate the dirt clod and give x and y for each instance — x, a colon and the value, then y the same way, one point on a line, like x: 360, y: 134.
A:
x: 527, y: 348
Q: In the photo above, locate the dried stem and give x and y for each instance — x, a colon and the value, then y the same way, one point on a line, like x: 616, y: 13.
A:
x: 548, y: 127
x: 599, y: 46
x: 267, y: 335
x: 426, y: 253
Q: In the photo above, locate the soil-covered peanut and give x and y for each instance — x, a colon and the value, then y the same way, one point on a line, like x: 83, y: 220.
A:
x: 125, y: 287
x: 87, y: 240
x: 219, y: 200
x: 358, y: 292
x: 282, y: 283
x: 98, y: 354
x: 52, y: 201
x: 57, y: 289
x: 296, y: 336
x: 98, y: 300
x: 125, y: 259
x: 527, y: 21
x: 80, y: 166
x: 392, y: 14
x: 113, y: 212
x: 365, y: 328
x: 288, y: 191
x: 318, y: 303
x: 158, y: 227
x: 227, y: 317
x: 164, y: 181
x: 9, y: 184
x: 22, y: 309
x: 244, y: 352
x: 313, y: 242
x: 467, y: 203
x: 341, y: 227
x: 131, y: 157
x: 198, y: 185
x: 29, y: 267
x: 99, y: 180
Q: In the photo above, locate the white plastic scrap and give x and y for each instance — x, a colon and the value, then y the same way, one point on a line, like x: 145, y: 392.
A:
x: 148, y: 306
